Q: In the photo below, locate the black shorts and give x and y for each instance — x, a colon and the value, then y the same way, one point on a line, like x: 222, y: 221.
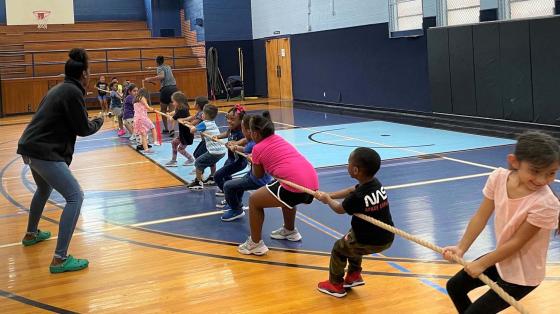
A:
x: 288, y: 198
x: 165, y: 94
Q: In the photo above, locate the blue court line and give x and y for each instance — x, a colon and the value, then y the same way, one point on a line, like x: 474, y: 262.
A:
x: 398, y: 267
x: 166, y: 248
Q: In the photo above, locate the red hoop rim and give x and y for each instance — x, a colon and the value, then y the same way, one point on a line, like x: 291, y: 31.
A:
x: 41, y: 13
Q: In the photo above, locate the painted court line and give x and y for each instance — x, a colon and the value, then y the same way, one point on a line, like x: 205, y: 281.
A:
x: 401, y: 148
x: 141, y: 224
x: 336, y: 235
x: 92, y: 168
x: 406, y: 185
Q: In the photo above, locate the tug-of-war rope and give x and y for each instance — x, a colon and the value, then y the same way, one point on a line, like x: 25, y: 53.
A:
x: 494, y: 286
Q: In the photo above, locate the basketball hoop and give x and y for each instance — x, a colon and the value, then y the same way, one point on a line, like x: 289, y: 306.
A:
x: 41, y: 16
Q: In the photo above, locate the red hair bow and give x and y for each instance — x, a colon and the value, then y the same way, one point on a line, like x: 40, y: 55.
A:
x: 239, y: 109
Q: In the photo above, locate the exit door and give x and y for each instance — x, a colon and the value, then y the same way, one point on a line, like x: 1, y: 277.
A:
x: 279, y: 68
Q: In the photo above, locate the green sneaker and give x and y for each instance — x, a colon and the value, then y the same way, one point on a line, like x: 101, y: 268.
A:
x: 70, y: 264
x: 41, y: 236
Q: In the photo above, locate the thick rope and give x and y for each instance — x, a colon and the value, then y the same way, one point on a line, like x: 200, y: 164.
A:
x: 499, y: 291
x: 202, y: 133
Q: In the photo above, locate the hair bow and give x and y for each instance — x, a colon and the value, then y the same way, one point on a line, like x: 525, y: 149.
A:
x: 239, y: 109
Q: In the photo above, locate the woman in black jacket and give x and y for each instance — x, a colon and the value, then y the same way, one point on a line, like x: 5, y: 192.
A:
x: 47, y: 146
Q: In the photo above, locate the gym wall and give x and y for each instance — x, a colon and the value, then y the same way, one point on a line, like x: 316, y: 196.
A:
x: 227, y: 27
x: 99, y: 10
x: 347, y: 57
x: 505, y: 69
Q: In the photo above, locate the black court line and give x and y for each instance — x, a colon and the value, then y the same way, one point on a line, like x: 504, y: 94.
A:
x: 241, y: 259
x: 394, y: 259
x: 15, y: 123
x: 305, y: 252
x: 257, y: 261
x: 234, y: 258
x: 206, y: 240
x: 34, y: 303
x: 310, y: 137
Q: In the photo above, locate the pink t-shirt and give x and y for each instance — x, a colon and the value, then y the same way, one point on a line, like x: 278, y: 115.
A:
x: 540, y: 208
x: 282, y: 160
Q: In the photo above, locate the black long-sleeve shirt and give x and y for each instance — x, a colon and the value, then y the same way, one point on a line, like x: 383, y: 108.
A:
x: 62, y: 115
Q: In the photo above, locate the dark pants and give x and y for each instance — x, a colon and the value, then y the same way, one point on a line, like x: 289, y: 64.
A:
x: 230, y: 167
x: 200, y: 149
x: 165, y: 102
x: 57, y: 175
x: 460, y: 284
x: 234, y: 189
x: 349, y: 250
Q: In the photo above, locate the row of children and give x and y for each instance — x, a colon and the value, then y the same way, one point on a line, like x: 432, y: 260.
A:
x: 526, y: 210
x: 129, y: 106
x: 525, y: 207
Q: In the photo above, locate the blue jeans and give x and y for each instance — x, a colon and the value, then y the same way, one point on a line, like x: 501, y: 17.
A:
x: 207, y: 160
x: 234, y: 189
x: 57, y: 175
x: 231, y: 166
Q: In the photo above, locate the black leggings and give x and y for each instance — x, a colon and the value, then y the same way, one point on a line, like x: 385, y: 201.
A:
x: 460, y: 284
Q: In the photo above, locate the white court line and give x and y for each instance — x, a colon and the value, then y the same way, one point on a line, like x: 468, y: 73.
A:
x: 407, y: 185
x: 92, y: 168
x: 153, y: 222
x: 113, y: 144
x: 211, y: 213
x: 401, y: 148
x: 141, y: 224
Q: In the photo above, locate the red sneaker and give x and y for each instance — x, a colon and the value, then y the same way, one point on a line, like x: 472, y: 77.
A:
x: 336, y: 290
x: 353, y: 280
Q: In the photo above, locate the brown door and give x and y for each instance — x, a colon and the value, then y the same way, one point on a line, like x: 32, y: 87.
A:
x: 279, y: 68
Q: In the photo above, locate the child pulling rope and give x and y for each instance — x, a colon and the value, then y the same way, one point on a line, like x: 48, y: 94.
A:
x: 497, y: 289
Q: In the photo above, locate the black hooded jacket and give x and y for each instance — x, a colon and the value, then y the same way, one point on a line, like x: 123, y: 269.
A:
x: 62, y: 115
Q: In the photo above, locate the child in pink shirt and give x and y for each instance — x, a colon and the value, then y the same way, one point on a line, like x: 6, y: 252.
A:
x: 275, y: 156
x: 526, y: 210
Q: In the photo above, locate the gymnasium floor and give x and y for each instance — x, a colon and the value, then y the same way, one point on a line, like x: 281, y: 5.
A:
x: 155, y: 246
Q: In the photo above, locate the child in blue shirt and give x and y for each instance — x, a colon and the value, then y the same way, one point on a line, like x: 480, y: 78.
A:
x: 214, y: 150
x: 234, y: 189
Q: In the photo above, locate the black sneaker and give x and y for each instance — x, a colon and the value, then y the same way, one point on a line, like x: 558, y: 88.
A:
x: 165, y: 131
x: 210, y: 181
x: 195, y: 185
x: 140, y: 147
x: 172, y: 133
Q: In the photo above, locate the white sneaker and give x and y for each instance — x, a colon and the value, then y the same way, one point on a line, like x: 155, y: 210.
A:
x: 285, y: 234
x: 220, y: 193
x: 221, y: 204
x: 245, y: 207
x: 250, y: 247
x: 171, y: 163
x: 189, y: 163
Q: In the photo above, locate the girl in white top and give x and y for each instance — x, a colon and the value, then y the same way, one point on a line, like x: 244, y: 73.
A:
x: 526, y: 210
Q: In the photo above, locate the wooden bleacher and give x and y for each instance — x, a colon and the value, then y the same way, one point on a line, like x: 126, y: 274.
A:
x: 34, y: 59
